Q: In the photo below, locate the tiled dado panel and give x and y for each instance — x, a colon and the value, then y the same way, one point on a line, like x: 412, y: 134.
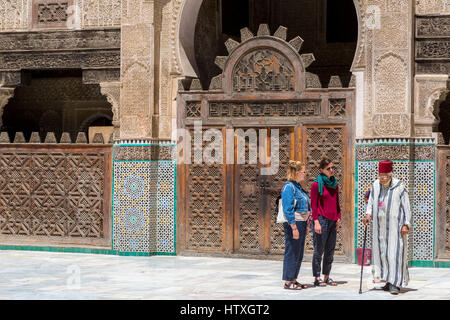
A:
x: 144, y: 199
x: 414, y: 163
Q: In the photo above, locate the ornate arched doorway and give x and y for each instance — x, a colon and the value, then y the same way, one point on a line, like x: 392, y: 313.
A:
x: 227, y: 205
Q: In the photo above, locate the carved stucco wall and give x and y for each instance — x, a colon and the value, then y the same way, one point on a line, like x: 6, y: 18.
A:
x: 384, y: 61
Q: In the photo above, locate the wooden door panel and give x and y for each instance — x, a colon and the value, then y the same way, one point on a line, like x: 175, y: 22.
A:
x: 329, y: 141
x: 249, y: 199
x: 286, y: 153
x: 205, y: 226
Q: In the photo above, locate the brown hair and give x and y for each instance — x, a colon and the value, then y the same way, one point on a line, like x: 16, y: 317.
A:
x: 294, y: 166
x: 324, y: 162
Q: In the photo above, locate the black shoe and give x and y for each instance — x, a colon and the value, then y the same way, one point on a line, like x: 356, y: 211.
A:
x: 386, y: 287
x: 393, y: 289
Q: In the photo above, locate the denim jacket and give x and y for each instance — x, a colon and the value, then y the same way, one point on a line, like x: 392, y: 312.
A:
x: 293, y: 190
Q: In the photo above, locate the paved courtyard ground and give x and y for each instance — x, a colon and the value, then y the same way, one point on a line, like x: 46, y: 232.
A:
x: 72, y: 276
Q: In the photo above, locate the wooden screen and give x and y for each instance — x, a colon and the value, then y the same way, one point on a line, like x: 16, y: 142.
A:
x: 52, y: 194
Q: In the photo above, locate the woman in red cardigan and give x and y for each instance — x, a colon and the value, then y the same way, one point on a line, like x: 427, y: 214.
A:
x: 326, y: 213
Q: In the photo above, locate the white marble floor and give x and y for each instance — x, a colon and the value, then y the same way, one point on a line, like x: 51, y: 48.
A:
x: 47, y: 275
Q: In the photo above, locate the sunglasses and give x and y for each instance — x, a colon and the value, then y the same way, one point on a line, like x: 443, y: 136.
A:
x: 331, y: 168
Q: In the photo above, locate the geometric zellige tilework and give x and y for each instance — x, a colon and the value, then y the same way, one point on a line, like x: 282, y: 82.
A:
x: 165, y: 233
x: 423, y: 210
x: 144, y: 206
x: 131, y: 223
x: 418, y: 178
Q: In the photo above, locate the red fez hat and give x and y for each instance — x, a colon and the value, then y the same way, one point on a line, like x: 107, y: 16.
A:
x: 385, y: 167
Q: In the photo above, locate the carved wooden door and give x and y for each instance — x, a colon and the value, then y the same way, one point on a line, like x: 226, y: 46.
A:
x: 204, y: 190
x: 443, y: 201
x: 264, y: 85
x: 255, y: 227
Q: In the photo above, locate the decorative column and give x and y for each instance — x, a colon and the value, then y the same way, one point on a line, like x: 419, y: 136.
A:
x: 137, y: 69
x: 386, y: 60
x: 144, y: 185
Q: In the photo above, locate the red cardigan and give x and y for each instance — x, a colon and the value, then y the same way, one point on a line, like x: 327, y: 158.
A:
x: 328, y: 206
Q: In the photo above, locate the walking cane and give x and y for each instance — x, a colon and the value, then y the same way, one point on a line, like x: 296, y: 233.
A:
x: 362, y: 259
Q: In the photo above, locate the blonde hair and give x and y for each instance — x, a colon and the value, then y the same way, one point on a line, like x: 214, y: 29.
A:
x: 294, y: 166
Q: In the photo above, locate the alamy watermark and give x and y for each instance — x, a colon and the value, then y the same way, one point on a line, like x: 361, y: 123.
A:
x: 446, y: 6
x: 74, y: 279
x: 206, y: 146
x: 373, y: 18
x: 73, y: 17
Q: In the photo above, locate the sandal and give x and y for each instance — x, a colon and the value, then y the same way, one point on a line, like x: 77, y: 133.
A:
x: 303, y: 286
x: 330, y: 282
x: 319, y: 283
x: 292, y: 286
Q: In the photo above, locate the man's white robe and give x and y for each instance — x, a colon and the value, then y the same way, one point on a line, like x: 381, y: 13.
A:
x: 389, y: 248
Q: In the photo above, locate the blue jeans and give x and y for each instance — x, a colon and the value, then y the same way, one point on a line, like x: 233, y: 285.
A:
x: 293, y: 250
x: 324, y: 245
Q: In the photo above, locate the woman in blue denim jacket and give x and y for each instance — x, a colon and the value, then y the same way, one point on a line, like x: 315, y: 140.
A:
x: 296, y: 207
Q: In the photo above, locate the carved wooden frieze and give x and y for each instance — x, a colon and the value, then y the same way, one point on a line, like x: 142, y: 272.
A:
x: 433, y: 67
x: 263, y: 70
x: 264, y: 109
x: 433, y: 49
x: 433, y: 44
x: 433, y: 26
x: 35, y: 50
x: 60, y: 60
x: 54, y: 40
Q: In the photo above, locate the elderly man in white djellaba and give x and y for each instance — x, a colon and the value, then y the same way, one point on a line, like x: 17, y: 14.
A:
x: 389, y: 209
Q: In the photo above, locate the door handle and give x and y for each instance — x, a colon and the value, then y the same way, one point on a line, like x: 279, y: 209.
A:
x: 264, y: 185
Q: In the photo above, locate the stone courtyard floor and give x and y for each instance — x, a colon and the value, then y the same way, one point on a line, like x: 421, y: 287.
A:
x: 31, y: 275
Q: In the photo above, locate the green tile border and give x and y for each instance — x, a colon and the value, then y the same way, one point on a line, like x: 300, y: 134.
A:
x: 429, y: 264
x: 83, y: 250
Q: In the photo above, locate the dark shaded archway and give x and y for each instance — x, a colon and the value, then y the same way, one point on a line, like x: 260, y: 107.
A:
x: 54, y: 101
x: 444, y: 117
x: 329, y: 30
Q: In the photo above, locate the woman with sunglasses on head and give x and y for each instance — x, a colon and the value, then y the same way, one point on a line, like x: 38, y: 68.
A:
x: 326, y: 213
x: 296, y: 204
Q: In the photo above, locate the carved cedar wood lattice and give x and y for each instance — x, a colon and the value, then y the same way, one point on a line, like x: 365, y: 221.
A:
x: 55, y: 194
x: 205, y: 207
x: 264, y: 85
x: 447, y: 206
x: 443, y: 203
